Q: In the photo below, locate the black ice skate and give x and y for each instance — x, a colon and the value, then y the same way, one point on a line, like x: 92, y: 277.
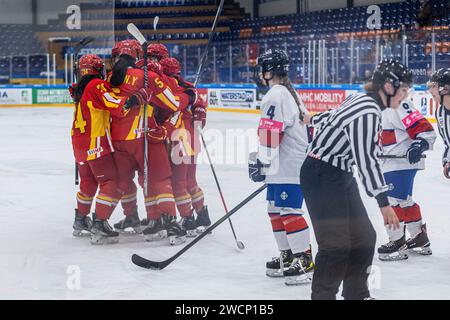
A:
x: 419, y: 244
x: 129, y: 222
x: 203, y: 220
x: 102, y: 233
x: 393, y: 251
x: 175, y: 232
x: 301, y: 269
x: 154, y: 230
x: 189, y: 224
x: 274, y: 268
x: 82, y: 225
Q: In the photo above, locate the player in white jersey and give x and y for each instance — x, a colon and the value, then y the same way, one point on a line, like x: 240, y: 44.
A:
x: 283, y: 141
x: 406, y: 135
x: 439, y: 87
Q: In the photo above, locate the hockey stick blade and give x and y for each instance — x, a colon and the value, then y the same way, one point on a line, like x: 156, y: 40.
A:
x: 83, y: 43
x: 159, y: 265
x: 155, y: 22
x: 134, y: 31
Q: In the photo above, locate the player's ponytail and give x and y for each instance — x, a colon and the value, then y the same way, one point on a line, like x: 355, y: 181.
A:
x: 119, y: 70
x: 285, y: 81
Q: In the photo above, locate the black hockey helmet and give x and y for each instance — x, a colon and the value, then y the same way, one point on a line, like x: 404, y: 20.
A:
x: 274, y: 60
x: 441, y: 78
x: 390, y: 70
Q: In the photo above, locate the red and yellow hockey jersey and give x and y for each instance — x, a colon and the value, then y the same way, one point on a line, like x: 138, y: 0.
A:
x: 91, y: 136
x: 131, y: 126
x: 164, y: 98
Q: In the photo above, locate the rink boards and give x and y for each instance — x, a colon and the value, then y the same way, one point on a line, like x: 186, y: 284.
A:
x: 220, y: 97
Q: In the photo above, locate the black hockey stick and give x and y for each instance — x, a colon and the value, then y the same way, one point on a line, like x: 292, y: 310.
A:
x: 392, y: 156
x: 134, y: 31
x: 159, y: 265
x: 239, y: 244
x: 80, y: 45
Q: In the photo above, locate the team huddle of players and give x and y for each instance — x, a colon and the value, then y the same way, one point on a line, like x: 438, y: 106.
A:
x: 108, y: 139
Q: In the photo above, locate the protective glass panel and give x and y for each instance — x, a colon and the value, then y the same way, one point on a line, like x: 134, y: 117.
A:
x: 39, y: 48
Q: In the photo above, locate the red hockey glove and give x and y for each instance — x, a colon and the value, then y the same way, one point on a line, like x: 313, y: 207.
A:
x: 157, y: 134
x: 199, y: 114
x: 74, y: 92
x: 140, y: 97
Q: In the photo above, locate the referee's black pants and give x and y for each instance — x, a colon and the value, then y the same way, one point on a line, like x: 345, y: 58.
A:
x: 344, y: 233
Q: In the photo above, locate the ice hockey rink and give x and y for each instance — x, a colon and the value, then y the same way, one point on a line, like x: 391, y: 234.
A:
x: 40, y: 259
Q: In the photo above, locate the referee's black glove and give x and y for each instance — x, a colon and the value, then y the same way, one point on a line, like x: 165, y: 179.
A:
x: 416, y: 149
x: 255, y: 167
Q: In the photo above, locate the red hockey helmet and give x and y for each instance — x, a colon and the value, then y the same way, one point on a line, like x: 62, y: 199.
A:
x: 155, y: 67
x: 137, y: 47
x: 170, y: 66
x: 91, y: 64
x: 128, y: 47
x: 158, y: 51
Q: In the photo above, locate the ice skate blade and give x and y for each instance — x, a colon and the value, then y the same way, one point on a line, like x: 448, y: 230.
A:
x: 101, y: 240
x: 156, y: 236
x: 130, y: 230
x: 177, y: 240
x: 274, y: 273
x: 191, y: 233
x: 81, y: 233
x: 424, y: 251
x: 201, y: 230
x: 396, y: 256
x: 298, y: 280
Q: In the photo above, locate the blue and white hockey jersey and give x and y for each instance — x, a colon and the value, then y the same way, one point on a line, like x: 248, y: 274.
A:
x: 401, y: 127
x: 283, y: 140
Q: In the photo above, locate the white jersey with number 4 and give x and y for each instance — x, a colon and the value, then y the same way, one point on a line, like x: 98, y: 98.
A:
x: 283, y: 140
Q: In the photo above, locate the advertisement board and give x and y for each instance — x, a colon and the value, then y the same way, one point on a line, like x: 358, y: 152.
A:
x: 232, y: 98
x: 51, y: 96
x: 15, y: 96
x: 322, y: 99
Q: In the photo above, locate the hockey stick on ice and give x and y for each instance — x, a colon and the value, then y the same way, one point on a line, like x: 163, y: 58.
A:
x: 80, y: 45
x: 159, y: 265
x: 239, y: 244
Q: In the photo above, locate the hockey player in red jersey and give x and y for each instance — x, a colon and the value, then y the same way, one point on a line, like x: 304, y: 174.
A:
x: 128, y: 136
x: 127, y: 132
x: 92, y: 147
x: 165, y: 110
x: 185, y: 148
x: 406, y: 132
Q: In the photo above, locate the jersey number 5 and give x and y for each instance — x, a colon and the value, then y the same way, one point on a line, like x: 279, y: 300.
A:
x: 271, y: 112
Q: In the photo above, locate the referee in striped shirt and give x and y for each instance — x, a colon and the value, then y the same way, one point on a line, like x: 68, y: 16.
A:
x: 439, y: 87
x: 347, y: 137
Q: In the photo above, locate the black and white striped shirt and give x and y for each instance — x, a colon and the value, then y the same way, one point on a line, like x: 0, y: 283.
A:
x: 443, y: 120
x: 349, y: 136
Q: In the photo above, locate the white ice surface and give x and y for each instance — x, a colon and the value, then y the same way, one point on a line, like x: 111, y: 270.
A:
x: 37, y: 199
